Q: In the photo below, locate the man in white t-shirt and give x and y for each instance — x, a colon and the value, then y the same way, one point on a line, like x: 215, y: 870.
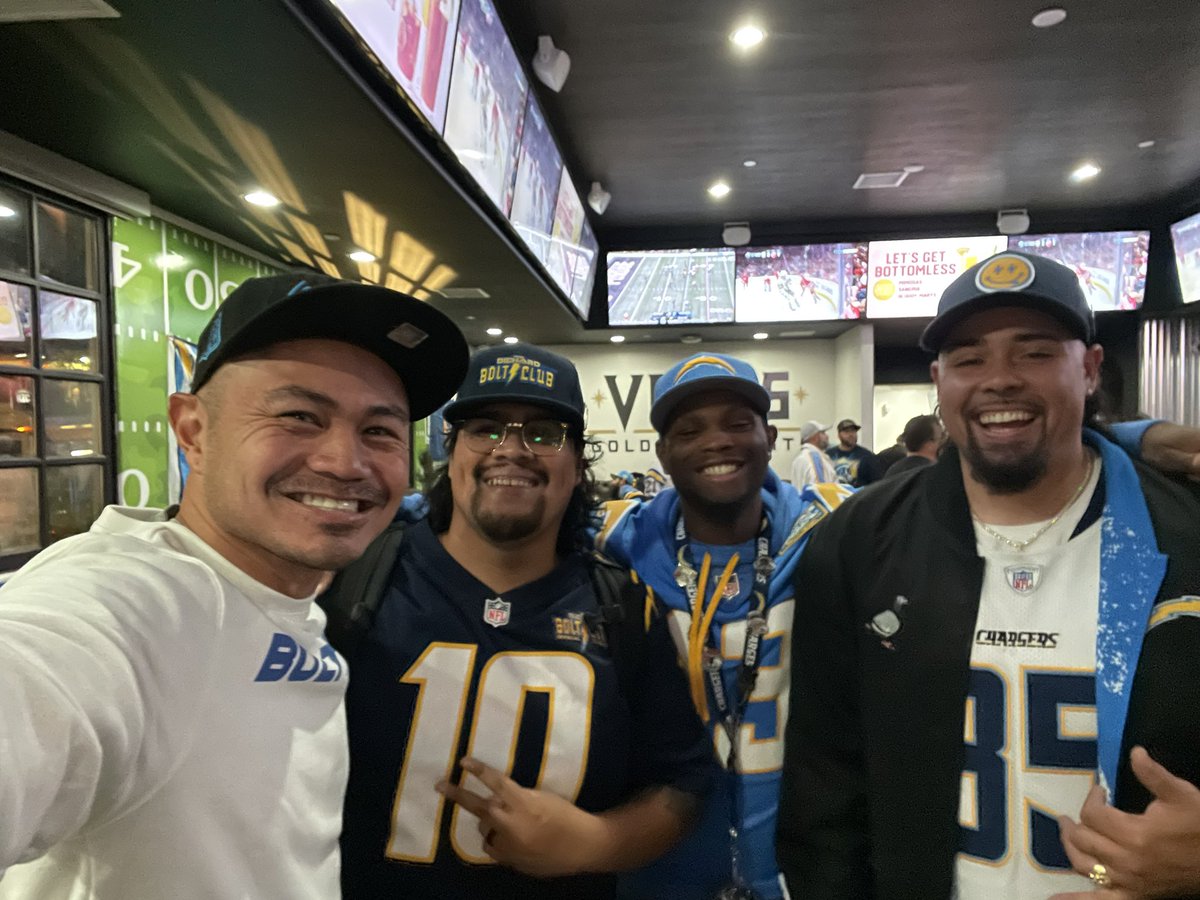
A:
x: 811, y: 465
x: 1001, y: 641
x: 171, y: 719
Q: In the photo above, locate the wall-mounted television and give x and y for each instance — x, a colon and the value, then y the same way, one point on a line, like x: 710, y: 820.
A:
x: 798, y: 284
x: 539, y: 171
x: 485, y: 113
x: 1185, y: 236
x: 906, y: 278
x: 413, y: 40
x: 1110, y: 265
x: 670, y: 287
x: 570, y: 260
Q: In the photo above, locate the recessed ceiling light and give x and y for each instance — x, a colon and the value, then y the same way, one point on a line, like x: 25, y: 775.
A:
x: 470, y: 318
x: 362, y: 256
x: 760, y: 335
x: 750, y: 163
x: 1085, y: 171
x: 690, y: 339
x: 1145, y: 145
x: 261, y: 198
x: 7, y: 212
x: 617, y: 338
x: 718, y: 189
x: 495, y: 332
x: 1050, y: 17
x: 511, y: 339
x: 748, y: 36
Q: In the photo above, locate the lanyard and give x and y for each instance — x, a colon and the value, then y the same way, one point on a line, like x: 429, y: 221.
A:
x: 729, y: 714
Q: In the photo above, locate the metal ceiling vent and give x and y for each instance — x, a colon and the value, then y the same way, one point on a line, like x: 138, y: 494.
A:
x: 869, y: 180
x: 47, y: 10
x: 464, y: 293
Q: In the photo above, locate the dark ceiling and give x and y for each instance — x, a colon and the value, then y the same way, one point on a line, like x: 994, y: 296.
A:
x: 194, y: 102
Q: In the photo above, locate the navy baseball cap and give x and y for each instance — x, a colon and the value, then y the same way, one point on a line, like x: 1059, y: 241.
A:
x: 1012, y: 278
x: 520, y: 373
x: 422, y: 345
x: 701, y: 374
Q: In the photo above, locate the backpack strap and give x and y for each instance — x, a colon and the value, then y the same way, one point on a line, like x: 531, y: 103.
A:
x: 623, y: 612
x: 353, y: 598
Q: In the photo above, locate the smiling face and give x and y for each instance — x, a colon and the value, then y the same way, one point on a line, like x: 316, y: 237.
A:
x: 715, y: 449
x: 298, y: 458
x: 1012, y: 384
x: 510, y: 494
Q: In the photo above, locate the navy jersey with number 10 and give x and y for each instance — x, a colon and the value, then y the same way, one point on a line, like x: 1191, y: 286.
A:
x: 524, y: 682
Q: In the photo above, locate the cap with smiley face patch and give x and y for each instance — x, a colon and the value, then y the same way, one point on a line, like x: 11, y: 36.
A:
x: 1013, y: 279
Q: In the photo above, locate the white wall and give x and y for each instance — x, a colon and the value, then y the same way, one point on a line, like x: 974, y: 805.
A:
x: 855, y: 368
x: 895, y: 404
x: 803, y: 375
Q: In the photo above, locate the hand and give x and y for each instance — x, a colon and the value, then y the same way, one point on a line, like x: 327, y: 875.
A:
x: 1172, y: 448
x: 1155, y: 854
x: 532, y: 831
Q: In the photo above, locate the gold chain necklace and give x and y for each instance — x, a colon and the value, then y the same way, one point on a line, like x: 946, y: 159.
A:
x: 1021, y: 545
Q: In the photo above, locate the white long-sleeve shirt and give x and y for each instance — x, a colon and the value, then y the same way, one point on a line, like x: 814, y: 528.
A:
x: 169, y: 727
x: 812, y: 466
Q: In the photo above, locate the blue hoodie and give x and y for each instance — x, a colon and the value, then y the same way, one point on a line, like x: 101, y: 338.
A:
x: 642, y: 536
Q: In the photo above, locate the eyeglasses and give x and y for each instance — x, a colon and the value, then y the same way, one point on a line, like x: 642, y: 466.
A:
x: 541, y: 437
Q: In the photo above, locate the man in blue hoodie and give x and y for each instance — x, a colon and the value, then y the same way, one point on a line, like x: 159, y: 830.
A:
x: 718, y: 549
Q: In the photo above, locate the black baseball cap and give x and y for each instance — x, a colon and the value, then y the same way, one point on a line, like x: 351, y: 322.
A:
x: 425, y: 348
x: 1013, y: 278
x: 520, y: 373
x: 847, y: 424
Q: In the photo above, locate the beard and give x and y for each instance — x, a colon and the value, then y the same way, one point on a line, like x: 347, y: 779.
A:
x: 504, y: 527
x: 1008, y: 475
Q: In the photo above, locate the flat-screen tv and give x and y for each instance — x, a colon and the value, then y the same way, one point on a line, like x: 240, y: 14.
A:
x: 797, y: 284
x: 539, y: 172
x: 670, y: 287
x: 413, y: 41
x: 1110, y: 265
x: 1185, y: 235
x: 582, y: 261
x: 485, y: 112
x: 906, y: 278
x: 569, y: 262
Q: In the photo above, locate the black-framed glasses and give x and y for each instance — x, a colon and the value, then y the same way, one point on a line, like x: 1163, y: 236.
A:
x: 541, y: 437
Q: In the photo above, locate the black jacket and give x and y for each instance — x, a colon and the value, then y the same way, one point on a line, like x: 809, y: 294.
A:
x: 874, y: 747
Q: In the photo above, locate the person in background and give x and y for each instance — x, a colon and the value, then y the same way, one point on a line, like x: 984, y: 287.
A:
x: 892, y: 455
x: 1022, y: 625
x: 170, y: 711
x: 923, y: 436
x: 506, y: 740
x: 718, y: 549
x: 811, y: 465
x: 855, y: 465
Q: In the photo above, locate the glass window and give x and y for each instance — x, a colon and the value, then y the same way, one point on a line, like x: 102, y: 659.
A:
x: 19, y: 512
x: 16, y: 340
x: 14, y: 232
x: 18, y: 429
x: 69, y: 336
x: 72, y: 418
x: 68, y: 247
x: 74, y: 499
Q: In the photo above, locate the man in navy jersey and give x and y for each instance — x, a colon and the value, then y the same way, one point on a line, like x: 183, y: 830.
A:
x: 1024, y: 623
x: 494, y: 752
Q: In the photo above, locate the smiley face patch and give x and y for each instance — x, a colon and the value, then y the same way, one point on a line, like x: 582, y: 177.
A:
x: 1006, y: 272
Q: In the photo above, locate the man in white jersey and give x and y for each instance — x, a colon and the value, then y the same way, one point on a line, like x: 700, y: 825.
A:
x: 1003, y: 630
x: 171, y: 715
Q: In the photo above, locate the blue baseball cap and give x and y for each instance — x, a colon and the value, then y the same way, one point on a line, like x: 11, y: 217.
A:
x: 520, y: 373
x: 1012, y: 278
x: 701, y: 374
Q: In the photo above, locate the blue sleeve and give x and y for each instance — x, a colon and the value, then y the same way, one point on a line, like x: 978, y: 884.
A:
x: 1129, y: 435
x: 670, y: 746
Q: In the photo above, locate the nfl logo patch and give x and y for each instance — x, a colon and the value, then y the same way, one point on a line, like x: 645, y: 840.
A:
x: 1023, y: 579
x: 496, y: 612
x: 732, y: 588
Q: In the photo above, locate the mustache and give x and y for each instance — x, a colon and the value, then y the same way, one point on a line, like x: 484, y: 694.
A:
x: 339, y: 490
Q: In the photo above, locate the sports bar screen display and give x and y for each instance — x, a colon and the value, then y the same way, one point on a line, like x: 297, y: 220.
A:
x: 1185, y: 235
x: 486, y: 111
x: 798, y: 284
x: 906, y: 278
x: 539, y: 171
x: 413, y: 40
x: 670, y: 287
x: 568, y: 261
x: 1110, y: 265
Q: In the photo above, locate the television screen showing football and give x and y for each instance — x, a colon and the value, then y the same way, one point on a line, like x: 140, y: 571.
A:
x: 670, y: 287
x: 799, y: 284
